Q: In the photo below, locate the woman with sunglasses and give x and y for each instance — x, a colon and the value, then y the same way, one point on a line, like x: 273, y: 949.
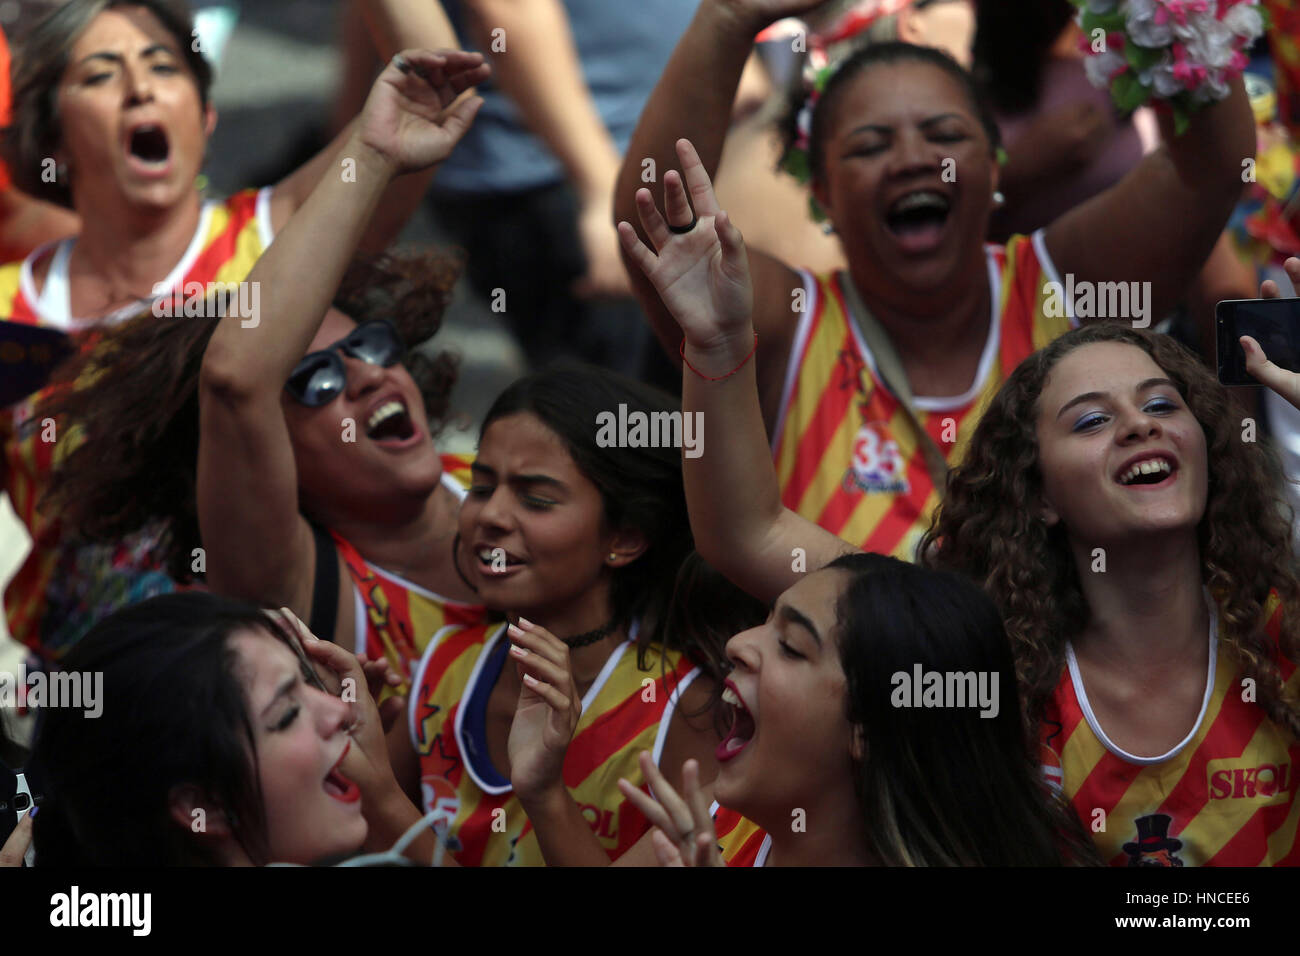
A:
x: 111, y: 118
x: 339, y: 439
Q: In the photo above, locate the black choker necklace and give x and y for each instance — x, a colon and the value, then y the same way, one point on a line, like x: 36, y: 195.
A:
x: 590, y: 637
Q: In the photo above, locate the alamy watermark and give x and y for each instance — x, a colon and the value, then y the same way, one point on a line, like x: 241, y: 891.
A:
x: 195, y: 300
x: 638, y: 429
x: 78, y: 690
x: 1099, y: 300
x: 947, y: 689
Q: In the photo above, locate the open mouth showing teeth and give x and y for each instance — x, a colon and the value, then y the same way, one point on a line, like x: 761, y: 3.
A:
x: 1150, y: 472
x: 743, y: 727
x: 338, y: 786
x: 497, y: 558
x: 390, y: 421
x: 917, y: 212
x: 149, y: 143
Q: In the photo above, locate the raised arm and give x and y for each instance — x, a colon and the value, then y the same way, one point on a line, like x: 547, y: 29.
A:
x: 257, y: 544
x: 693, y: 100
x: 1159, y: 223
x: 393, y: 25
x: 702, y: 276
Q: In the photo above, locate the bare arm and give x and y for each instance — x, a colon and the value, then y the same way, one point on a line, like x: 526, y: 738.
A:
x: 693, y: 100
x: 740, y: 525
x: 1159, y: 222
x: 257, y: 544
x: 394, y: 25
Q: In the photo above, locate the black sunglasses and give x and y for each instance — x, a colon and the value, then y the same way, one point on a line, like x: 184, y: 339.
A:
x: 320, y: 377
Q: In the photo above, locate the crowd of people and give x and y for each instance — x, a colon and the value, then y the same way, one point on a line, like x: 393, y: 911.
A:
x: 955, y: 572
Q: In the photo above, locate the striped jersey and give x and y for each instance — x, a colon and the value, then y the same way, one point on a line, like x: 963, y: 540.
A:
x: 847, y: 455
x: 1225, y: 796
x: 230, y: 237
x: 741, y: 842
x: 396, y: 618
x: 625, y: 711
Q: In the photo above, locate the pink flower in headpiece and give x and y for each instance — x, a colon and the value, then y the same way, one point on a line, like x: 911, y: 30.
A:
x: 1187, y: 72
x: 1179, y: 9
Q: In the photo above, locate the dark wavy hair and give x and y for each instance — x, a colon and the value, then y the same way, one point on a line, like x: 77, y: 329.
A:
x: 131, y: 394
x: 173, y: 713
x: 944, y: 786
x: 1012, y: 40
x: 988, y: 527
x: 641, y: 487
x: 42, y: 59
x: 876, y: 54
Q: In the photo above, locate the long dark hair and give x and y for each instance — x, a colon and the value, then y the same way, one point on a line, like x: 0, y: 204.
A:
x: 145, y: 371
x: 173, y: 714
x: 941, y: 786
x: 641, y: 487
x: 1012, y: 39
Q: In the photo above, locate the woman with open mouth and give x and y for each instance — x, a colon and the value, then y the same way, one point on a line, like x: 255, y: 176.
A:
x: 1130, y: 531
x: 901, y: 154
x: 830, y: 761
x: 216, y: 744
x: 585, y: 539
x: 112, y: 118
x: 292, y: 461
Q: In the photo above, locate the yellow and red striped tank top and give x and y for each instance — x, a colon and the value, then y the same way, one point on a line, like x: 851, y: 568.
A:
x: 626, y: 710
x: 230, y: 237
x: 847, y: 455
x: 741, y: 841
x: 1225, y: 796
x: 396, y: 618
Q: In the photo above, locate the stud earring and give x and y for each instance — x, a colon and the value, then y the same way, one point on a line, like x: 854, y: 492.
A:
x: 828, y: 228
x: 613, y: 557
x: 999, y: 200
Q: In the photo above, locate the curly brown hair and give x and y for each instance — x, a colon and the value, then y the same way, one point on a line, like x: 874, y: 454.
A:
x: 129, y: 403
x: 988, y: 527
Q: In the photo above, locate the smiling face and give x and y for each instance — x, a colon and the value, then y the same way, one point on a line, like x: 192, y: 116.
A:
x: 1120, y: 452
x: 131, y: 121
x: 313, y: 813
x: 791, y: 738
x: 534, y: 524
x: 362, y: 456
x: 897, y: 131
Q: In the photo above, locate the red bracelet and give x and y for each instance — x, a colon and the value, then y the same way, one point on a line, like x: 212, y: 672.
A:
x: 709, y: 378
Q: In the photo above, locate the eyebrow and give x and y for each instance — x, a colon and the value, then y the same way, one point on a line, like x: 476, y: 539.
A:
x: 924, y: 124
x: 789, y: 614
x: 286, y: 685
x: 1090, y: 396
x: 521, y: 479
x: 151, y: 50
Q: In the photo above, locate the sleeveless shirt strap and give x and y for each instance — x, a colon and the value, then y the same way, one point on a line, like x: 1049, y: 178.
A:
x: 325, y: 587
x: 890, y: 369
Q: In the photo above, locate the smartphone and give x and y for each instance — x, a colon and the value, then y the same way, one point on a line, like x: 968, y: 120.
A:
x: 16, y: 798
x: 1273, y: 323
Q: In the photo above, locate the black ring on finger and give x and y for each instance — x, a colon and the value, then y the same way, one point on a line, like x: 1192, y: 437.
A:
x: 682, y: 230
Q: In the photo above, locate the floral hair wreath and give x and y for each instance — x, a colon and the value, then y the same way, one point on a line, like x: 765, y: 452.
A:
x: 797, y: 160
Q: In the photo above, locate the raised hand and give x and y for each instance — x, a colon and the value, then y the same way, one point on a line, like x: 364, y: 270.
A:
x: 684, y: 834
x: 548, y: 710
x: 404, y: 120
x: 759, y: 13
x: 702, y: 275
x: 1285, y: 383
